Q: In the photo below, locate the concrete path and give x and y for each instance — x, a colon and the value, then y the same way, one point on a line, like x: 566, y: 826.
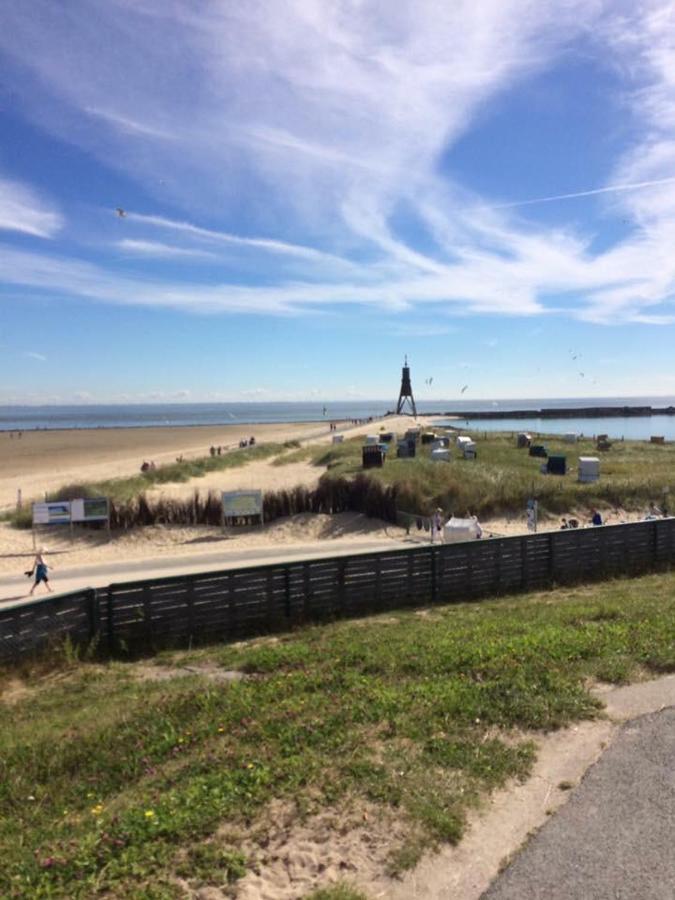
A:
x: 615, y: 838
x: 14, y: 588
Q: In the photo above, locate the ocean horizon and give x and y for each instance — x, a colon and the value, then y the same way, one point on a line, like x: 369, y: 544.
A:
x: 173, y: 415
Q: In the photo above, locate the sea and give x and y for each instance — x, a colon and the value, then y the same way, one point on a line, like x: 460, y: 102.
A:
x: 25, y: 418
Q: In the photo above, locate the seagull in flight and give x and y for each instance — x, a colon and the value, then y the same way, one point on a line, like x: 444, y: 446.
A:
x: 464, y: 388
x: 121, y: 212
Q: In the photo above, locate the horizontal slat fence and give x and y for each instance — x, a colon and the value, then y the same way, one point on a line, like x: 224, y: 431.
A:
x: 243, y: 602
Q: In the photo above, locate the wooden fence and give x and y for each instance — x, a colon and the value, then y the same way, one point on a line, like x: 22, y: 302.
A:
x: 237, y: 603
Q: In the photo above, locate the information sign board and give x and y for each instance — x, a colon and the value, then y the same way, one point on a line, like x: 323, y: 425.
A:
x: 242, y: 503
x: 52, y: 513
x: 92, y: 509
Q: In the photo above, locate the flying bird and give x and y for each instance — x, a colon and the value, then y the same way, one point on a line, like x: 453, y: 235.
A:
x: 582, y: 374
x: 464, y: 388
x: 121, y: 212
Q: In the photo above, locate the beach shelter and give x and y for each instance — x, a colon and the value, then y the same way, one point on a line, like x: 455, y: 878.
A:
x: 589, y: 469
x: 440, y: 454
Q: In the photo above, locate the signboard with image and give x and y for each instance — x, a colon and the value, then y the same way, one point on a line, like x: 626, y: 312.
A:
x: 238, y: 504
x: 56, y: 512
x: 94, y: 509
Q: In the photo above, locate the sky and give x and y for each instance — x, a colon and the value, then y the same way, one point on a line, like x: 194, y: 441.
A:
x: 206, y: 200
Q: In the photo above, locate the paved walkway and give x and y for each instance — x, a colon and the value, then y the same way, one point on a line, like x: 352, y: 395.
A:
x: 615, y: 838
x: 14, y: 588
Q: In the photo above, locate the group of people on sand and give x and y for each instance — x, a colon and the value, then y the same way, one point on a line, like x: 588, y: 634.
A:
x: 148, y: 466
x: 596, y: 517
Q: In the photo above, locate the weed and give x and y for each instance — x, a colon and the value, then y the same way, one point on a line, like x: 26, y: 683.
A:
x: 336, y: 892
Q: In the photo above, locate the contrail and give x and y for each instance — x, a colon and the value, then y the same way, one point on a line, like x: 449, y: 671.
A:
x: 604, y: 190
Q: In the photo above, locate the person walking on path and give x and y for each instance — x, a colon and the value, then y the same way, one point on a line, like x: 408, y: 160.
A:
x: 41, y: 570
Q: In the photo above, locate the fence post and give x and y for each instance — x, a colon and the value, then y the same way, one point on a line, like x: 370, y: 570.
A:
x: 654, y: 544
x: 342, y: 582
x: 287, y: 591
x: 111, y: 619
x: 190, y: 597
x: 551, y: 558
x: 524, y: 573
x: 231, y: 604
x: 147, y: 613
x: 378, y: 582
x: 93, y: 613
x: 306, y: 593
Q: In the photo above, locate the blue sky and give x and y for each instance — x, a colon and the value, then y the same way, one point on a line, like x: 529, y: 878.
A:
x: 312, y: 189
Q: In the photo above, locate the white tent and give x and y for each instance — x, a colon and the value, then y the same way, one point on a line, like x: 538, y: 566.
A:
x: 456, y: 530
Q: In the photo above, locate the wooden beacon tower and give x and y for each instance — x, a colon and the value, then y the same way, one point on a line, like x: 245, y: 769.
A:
x: 406, y: 393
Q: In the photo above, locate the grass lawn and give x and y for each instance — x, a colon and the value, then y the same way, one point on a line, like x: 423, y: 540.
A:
x: 112, y: 786
x: 633, y: 473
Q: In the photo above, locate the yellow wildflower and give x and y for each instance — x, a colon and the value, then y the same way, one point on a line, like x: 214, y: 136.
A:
x: 149, y: 814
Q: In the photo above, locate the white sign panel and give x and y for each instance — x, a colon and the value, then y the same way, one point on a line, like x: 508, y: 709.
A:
x: 93, y: 509
x: 242, y: 503
x: 53, y: 513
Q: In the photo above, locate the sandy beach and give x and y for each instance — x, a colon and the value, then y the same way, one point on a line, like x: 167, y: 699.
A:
x: 42, y: 461
x: 45, y: 460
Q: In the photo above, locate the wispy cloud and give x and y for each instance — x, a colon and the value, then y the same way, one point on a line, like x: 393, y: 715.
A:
x: 31, y: 354
x: 127, y: 125
x: 160, y: 250
x: 320, y: 126
x: 609, y: 189
x: 266, y: 244
x: 22, y: 210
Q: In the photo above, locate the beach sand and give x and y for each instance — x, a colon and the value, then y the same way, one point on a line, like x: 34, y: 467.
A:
x: 43, y: 461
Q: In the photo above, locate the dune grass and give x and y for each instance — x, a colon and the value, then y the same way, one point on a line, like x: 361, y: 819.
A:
x: 111, y: 785
x: 498, y: 482
x: 502, y: 478
x: 123, y: 490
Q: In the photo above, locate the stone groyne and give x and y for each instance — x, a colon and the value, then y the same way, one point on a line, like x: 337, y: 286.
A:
x: 578, y: 412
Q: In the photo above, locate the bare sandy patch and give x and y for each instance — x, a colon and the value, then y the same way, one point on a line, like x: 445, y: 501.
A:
x: 261, y: 476
x: 159, y: 672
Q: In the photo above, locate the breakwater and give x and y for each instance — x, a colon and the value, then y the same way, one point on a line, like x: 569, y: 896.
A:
x: 585, y: 412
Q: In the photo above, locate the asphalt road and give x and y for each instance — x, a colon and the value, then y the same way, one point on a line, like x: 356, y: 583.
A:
x: 614, y: 839
x: 14, y: 588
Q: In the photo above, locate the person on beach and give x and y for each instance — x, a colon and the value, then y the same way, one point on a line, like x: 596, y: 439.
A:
x: 597, y: 518
x: 41, y: 570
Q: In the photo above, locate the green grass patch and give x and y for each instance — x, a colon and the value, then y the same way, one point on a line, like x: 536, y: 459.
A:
x: 110, y: 784
x: 502, y: 478
x: 336, y: 892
